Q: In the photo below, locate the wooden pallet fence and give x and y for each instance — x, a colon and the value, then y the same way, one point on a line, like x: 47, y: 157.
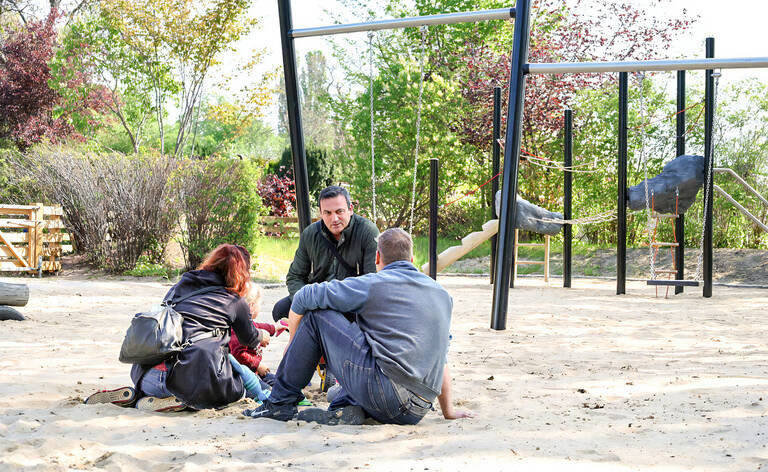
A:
x: 278, y: 226
x: 29, y: 233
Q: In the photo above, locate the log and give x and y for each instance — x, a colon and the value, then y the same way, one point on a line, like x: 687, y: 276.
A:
x: 8, y: 313
x: 13, y: 294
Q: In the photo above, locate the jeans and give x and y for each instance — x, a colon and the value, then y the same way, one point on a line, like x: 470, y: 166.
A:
x: 348, y: 355
x: 153, y: 384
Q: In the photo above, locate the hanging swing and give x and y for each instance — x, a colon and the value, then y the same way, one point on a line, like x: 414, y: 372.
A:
x: 652, y: 217
x: 423, y: 30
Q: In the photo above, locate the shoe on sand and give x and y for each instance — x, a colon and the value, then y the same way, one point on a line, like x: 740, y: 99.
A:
x: 160, y: 405
x: 353, y: 415
x: 123, y: 396
x: 272, y: 411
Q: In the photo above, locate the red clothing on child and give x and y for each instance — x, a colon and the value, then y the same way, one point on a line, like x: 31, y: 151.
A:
x: 246, y: 356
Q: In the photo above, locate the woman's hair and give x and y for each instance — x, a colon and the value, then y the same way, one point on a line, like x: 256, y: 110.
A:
x: 233, y: 263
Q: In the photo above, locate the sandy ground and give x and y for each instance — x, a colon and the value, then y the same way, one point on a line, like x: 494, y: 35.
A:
x: 581, y: 379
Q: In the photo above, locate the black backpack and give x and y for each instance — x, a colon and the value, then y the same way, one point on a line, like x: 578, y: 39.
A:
x: 156, y: 335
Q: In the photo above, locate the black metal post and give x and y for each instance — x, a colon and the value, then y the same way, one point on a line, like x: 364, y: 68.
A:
x: 621, y: 242
x: 495, y: 170
x: 505, y: 254
x: 298, y: 153
x: 709, y: 116
x: 567, y: 196
x: 434, y: 169
x: 680, y: 150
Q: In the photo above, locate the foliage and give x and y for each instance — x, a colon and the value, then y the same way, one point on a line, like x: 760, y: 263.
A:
x: 322, y: 168
x: 278, y: 194
x: 34, y: 103
x: 219, y: 203
x: 188, y: 37
x: 115, y: 206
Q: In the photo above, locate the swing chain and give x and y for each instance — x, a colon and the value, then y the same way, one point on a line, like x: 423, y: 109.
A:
x: 373, y: 153
x: 644, y: 160
x: 708, y: 177
x: 423, y: 30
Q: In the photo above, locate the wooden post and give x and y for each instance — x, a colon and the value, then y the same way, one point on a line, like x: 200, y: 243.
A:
x: 13, y: 294
x: 36, y: 236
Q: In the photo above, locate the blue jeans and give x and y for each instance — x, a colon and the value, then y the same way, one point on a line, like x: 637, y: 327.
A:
x: 153, y: 384
x: 348, y: 355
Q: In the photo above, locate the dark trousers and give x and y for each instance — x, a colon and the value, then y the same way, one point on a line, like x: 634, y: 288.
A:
x: 348, y: 355
x: 281, y: 308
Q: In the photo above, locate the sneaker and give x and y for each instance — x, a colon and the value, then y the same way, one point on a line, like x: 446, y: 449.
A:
x: 353, y: 415
x: 160, y: 405
x: 123, y: 396
x: 305, y: 402
x: 272, y: 411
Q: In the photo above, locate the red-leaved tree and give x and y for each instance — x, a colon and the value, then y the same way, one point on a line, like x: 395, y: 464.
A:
x: 30, y: 109
x: 611, y: 31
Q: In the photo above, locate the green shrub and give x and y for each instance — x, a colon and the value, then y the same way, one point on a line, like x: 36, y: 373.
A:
x: 219, y: 203
x: 116, y: 206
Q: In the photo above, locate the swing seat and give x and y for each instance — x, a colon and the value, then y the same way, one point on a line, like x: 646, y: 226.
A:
x: 674, y: 283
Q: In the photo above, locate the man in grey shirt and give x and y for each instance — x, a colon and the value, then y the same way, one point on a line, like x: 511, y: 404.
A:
x: 391, y: 362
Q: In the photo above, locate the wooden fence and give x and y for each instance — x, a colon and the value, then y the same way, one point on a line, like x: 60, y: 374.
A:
x: 32, y: 238
x: 280, y: 225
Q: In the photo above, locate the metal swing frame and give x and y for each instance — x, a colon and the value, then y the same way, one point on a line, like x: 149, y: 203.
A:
x: 519, y: 70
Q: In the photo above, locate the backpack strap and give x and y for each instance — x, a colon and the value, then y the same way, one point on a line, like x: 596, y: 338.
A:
x: 335, y: 252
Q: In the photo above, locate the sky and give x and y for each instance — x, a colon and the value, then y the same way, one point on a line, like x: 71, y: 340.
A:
x: 738, y: 29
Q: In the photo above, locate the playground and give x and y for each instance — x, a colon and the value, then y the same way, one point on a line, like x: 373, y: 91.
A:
x: 582, y: 379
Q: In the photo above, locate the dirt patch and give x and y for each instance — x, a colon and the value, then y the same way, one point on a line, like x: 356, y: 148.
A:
x: 731, y: 266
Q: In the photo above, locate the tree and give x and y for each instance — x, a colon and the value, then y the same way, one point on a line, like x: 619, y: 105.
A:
x: 35, y: 103
x: 182, y: 35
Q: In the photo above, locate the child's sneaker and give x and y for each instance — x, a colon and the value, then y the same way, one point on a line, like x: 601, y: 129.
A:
x: 351, y: 415
x: 123, y: 396
x: 160, y: 405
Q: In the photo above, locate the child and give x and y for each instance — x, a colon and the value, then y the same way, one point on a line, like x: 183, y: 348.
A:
x: 252, y: 358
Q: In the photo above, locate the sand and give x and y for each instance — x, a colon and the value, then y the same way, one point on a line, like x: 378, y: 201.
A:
x: 581, y: 379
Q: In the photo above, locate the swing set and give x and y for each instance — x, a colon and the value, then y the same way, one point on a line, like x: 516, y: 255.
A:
x: 519, y: 70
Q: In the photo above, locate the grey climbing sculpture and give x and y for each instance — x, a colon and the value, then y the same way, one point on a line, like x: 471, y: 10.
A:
x: 529, y: 217
x: 685, y: 173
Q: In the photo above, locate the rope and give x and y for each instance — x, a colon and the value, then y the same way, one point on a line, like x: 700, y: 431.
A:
x: 473, y: 191
x: 418, y: 125
x: 373, y: 152
x: 608, y: 215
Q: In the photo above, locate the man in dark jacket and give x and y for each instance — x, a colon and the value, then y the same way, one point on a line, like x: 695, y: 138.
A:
x: 353, y: 237
x: 391, y: 361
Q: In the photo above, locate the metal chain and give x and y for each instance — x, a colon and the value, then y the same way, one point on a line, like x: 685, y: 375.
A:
x: 708, y: 177
x: 418, y: 125
x: 644, y: 160
x: 373, y: 152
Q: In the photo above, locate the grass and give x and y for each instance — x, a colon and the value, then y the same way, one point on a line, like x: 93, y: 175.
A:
x: 145, y: 268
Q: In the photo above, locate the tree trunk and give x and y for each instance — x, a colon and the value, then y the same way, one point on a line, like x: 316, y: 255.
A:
x: 13, y: 294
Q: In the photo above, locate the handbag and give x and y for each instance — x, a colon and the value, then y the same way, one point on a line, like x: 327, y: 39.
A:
x: 157, y: 334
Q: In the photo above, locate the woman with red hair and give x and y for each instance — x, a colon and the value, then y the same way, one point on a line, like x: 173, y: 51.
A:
x: 201, y: 376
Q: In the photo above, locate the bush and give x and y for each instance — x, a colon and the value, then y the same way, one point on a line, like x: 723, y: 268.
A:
x: 321, y: 168
x: 278, y: 194
x: 115, y: 206
x: 219, y: 203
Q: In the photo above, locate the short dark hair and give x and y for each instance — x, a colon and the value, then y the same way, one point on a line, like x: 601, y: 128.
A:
x: 395, y: 244
x: 332, y: 192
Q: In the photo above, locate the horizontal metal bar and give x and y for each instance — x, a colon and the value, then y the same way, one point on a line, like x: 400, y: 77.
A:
x: 638, y: 66
x: 444, y: 19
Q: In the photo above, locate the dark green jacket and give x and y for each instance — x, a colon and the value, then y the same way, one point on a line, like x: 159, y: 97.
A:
x: 314, y: 262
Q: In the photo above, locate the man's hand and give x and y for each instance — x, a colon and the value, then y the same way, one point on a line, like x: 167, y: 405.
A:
x: 265, y: 338
x: 262, y: 370
x: 446, y: 402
